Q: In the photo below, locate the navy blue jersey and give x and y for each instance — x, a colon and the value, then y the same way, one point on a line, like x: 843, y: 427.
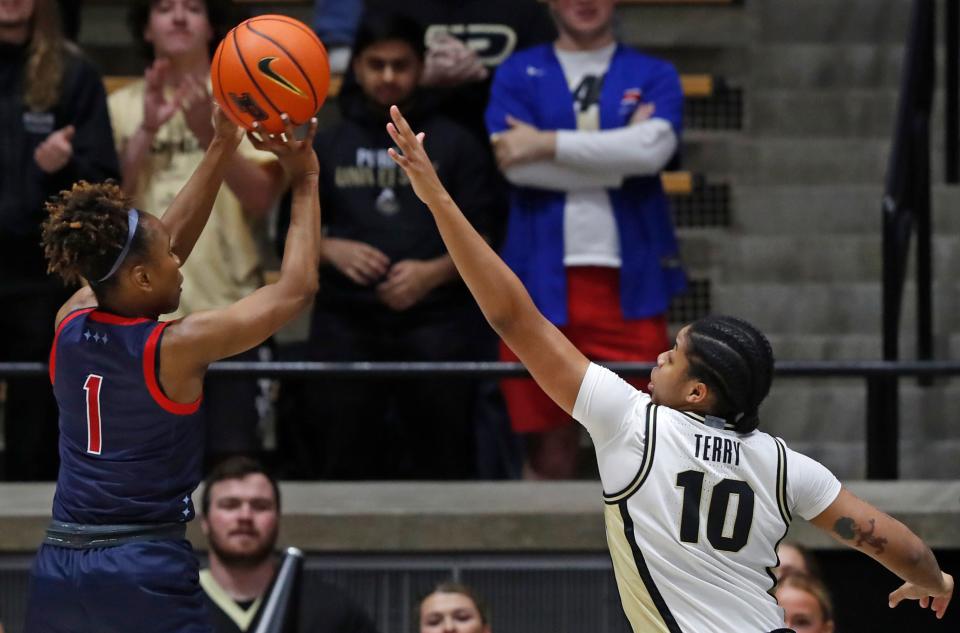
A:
x: 128, y: 454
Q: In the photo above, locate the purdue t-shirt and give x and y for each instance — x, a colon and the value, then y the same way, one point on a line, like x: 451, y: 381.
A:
x: 693, y: 513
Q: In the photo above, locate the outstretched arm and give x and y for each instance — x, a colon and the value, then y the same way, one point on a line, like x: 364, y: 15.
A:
x: 556, y: 365
x: 199, y: 339
x: 190, y: 210
x: 859, y: 525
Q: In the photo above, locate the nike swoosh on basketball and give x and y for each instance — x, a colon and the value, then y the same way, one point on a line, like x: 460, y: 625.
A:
x: 266, y: 69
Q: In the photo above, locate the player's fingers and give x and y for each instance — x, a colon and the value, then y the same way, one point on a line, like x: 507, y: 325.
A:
x: 940, y: 606
x: 253, y: 135
x: 897, y: 596
x: 290, y: 139
x: 925, y: 601
x: 398, y: 159
x: 311, y: 131
x: 402, y: 126
x: 397, y: 137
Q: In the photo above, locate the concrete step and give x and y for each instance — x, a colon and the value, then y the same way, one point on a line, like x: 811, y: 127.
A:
x: 829, y: 308
x: 829, y: 209
x: 686, y: 26
x: 834, y: 112
x: 822, y: 65
x: 826, y: 420
x: 806, y: 346
x: 854, y: 346
x: 783, y: 160
x: 867, y: 21
x: 729, y: 62
x: 824, y: 258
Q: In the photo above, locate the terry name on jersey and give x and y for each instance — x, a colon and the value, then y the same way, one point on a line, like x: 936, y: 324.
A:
x: 710, y: 448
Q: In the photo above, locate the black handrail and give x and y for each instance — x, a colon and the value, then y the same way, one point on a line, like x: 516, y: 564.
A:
x: 881, y: 443
x: 906, y: 205
x: 951, y: 84
x: 402, y: 369
x: 906, y: 200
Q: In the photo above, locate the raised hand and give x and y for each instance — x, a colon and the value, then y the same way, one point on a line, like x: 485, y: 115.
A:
x: 222, y: 126
x: 362, y: 263
x: 935, y: 600
x: 197, y: 106
x: 157, y: 108
x: 414, y: 160
x: 449, y: 62
x: 55, y: 151
x: 296, y: 156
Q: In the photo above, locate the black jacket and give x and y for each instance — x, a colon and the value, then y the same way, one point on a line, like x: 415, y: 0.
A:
x: 23, y: 185
x: 322, y: 608
x: 366, y: 197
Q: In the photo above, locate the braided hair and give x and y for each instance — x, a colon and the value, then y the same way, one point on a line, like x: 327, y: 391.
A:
x: 85, y: 231
x: 734, y: 359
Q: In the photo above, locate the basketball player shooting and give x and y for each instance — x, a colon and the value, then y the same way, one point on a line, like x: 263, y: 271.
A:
x: 115, y: 557
x: 696, y: 498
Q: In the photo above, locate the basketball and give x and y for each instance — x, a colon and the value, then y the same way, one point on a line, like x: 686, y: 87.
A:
x: 269, y: 65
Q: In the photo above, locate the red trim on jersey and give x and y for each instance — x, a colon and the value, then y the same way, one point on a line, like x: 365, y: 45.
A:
x: 116, y: 319
x: 153, y: 383
x: 52, y: 364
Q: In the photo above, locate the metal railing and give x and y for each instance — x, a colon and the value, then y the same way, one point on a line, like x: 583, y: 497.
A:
x: 882, y: 434
x: 906, y: 199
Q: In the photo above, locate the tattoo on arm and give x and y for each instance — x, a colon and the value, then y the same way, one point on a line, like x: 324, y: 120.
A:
x: 848, y: 529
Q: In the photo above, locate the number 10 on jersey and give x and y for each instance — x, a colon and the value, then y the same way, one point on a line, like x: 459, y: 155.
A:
x: 718, y: 531
x: 92, y: 387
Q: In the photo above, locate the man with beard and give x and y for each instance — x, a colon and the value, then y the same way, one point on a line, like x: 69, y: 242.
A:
x: 241, y: 519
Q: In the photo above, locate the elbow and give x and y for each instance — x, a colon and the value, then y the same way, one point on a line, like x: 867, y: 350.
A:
x: 917, y: 554
x: 502, y: 320
x: 311, y: 285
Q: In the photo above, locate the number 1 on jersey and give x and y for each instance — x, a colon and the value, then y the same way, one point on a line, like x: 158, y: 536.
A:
x: 92, y: 387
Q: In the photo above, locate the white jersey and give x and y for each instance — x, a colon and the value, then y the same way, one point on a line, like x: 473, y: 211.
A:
x: 694, y: 514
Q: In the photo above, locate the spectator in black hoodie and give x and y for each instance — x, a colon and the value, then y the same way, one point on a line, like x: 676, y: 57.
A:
x: 390, y: 292
x: 55, y: 130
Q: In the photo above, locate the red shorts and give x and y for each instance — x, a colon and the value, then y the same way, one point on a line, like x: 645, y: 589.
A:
x: 597, y: 328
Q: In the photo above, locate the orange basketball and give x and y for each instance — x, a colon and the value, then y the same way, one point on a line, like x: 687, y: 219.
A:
x: 268, y: 65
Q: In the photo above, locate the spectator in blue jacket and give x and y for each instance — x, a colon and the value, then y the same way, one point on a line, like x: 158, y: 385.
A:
x: 581, y: 129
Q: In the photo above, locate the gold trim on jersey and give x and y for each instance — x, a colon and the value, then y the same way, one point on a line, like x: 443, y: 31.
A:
x: 649, y: 448
x: 241, y: 617
x: 782, y: 505
x: 782, y: 481
x: 635, y: 596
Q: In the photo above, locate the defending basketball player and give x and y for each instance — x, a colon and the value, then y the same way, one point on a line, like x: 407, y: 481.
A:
x: 129, y: 391
x: 696, y: 499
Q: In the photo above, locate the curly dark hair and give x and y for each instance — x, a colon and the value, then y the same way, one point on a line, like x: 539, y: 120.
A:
x: 85, y: 231
x: 221, y: 14
x: 734, y: 359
